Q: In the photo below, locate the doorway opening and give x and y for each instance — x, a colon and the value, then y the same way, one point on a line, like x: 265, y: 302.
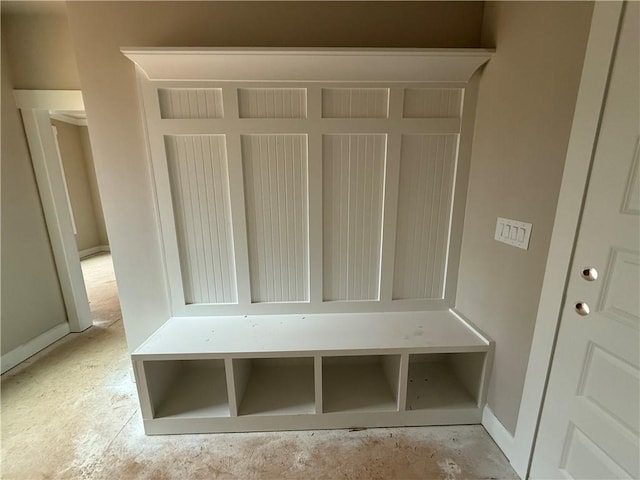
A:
x: 73, y: 145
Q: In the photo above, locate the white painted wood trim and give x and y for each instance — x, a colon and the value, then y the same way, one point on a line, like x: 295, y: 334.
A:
x: 390, y: 199
x: 35, y: 106
x: 93, y: 250
x: 315, y: 334
x: 314, y: 188
x: 146, y: 408
x: 275, y: 423
x: 64, y: 179
x: 80, y: 122
x: 460, y: 188
x: 309, y: 64
x: 157, y: 162
x: 500, y: 434
x: 586, y: 120
x: 317, y: 378
x: 33, y: 346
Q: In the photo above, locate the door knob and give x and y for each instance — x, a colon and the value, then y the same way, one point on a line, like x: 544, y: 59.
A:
x: 589, y: 273
x: 582, y: 308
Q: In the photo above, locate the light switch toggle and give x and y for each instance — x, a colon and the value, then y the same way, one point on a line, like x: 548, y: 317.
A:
x: 513, y: 232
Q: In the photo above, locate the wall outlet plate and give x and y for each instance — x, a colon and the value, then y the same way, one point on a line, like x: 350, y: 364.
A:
x: 513, y: 232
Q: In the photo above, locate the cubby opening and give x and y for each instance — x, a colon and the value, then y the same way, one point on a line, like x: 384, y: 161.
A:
x: 444, y: 380
x: 367, y: 383
x: 274, y: 386
x: 187, y: 388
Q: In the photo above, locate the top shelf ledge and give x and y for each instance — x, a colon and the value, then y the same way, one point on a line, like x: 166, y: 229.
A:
x: 309, y: 64
x: 314, y: 334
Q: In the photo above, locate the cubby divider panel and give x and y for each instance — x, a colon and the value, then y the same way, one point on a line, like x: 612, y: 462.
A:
x: 363, y: 383
x: 444, y: 380
x: 275, y: 386
x: 187, y: 388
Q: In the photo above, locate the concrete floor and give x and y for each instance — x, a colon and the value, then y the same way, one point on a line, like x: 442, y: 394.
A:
x: 71, y: 412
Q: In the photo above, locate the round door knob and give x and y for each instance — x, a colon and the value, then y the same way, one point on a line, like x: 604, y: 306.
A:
x: 589, y: 273
x: 582, y: 308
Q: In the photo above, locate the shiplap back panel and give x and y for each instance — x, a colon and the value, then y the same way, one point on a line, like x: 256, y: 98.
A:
x: 355, y: 102
x: 200, y: 189
x: 297, y: 197
x: 432, y: 102
x: 272, y: 102
x: 276, y: 202
x: 427, y: 165
x: 353, y: 181
x: 186, y: 103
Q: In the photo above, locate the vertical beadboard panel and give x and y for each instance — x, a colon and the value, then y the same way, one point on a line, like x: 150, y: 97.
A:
x: 276, y: 201
x: 199, y: 180
x: 272, y: 102
x: 432, y: 102
x: 353, y: 190
x: 190, y: 102
x: 355, y: 102
x: 427, y: 166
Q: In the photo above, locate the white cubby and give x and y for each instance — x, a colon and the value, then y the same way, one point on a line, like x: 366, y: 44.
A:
x: 187, y: 388
x: 279, y: 372
x: 449, y: 380
x: 363, y: 383
x: 274, y: 386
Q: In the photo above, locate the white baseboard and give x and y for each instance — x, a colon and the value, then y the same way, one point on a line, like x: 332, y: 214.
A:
x: 93, y: 250
x: 21, y: 353
x: 500, y: 435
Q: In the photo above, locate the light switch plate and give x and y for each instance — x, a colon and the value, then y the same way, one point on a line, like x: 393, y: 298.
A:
x: 513, y: 232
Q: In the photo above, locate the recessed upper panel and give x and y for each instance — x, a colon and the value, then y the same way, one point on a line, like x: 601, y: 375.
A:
x: 355, y: 102
x: 272, y: 102
x: 432, y: 102
x: 190, y: 103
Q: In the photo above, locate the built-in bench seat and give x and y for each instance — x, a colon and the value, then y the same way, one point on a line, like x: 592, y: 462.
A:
x: 290, y: 372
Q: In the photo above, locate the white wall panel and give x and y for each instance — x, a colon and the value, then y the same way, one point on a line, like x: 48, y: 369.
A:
x: 319, y: 197
x: 200, y: 189
x: 190, y: 102
x: 427, y: 166
x: 276, y: 201
x: 272, y: 102
x: 355, y: 102
x: 353, y: 181
x: 432, y: 102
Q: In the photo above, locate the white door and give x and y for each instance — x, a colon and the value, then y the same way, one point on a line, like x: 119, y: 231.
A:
x: 590, y: 420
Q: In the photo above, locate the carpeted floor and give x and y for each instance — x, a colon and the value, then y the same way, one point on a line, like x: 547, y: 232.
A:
x: 71, y: 412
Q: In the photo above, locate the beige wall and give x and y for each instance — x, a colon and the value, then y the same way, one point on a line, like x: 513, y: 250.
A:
x: 77, y: 176
x: 108, y: 80
x: 103, y: 240
x: 525, y: 109
x: 40, y: 51
x: 31, y: 297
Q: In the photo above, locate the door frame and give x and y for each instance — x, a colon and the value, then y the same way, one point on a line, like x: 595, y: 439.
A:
x: 581, y: 148
x: 35, y: 107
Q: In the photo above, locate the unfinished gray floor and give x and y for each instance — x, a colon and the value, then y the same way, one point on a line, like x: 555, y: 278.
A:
x: 72, y: 413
